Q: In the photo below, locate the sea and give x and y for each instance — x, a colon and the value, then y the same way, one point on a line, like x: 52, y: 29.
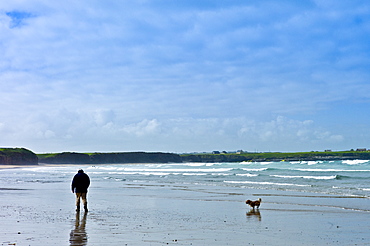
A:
x: 350, y: 178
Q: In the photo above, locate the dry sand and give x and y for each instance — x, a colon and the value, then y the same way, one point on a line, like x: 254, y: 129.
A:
x: 154, y: 214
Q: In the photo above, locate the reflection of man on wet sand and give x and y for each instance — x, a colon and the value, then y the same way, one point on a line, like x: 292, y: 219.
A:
x: 78, y: 236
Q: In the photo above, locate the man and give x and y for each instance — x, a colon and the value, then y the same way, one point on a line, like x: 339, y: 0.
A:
x: 80, y: 183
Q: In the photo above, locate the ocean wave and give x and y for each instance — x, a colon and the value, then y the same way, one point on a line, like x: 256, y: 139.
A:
x: 106, y: 168
x: 195, y: 164
x: 265, y: 162
x: 354, y: 162
x: 43, y: 181
x: 176, y: 170
x: 310, y: 162
x: 256, y: 162
x: 305, y: 177
x: 246, y: 174
x: 329, y: 170
x: 265, y: 183
x: 192, y: 174
x: 166, y: 173
x: 148, y: 173
x: 254, y: 169
x: 340, y: 177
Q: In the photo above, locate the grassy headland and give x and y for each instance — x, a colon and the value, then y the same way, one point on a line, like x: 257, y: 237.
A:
x: 277, y: 156
x: 101, y: 158
x: 17, y: 156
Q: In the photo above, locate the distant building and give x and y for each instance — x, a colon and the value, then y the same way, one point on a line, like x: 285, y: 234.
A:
x: 215, y: 152
x: 328, y: 150
x: 364, y: 149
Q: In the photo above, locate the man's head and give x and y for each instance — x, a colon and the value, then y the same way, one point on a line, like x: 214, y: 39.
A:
x: 80, y: 171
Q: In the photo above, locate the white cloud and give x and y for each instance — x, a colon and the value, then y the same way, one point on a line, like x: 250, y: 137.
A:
x: 104, y: 117
x: 49, y: 134
x: 145, y: 127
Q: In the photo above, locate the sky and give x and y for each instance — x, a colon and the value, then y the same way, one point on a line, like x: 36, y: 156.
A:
x: 184, y: 76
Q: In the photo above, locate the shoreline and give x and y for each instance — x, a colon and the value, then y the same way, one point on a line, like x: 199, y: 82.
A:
x: 15, y: 166
x: 6, y: 166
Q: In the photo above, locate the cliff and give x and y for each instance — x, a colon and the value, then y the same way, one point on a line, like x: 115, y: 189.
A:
x: 102, y: 158
x: 17, y: 156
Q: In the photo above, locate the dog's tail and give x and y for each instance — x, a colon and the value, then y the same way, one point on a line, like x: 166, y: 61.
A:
x: 260, y: 200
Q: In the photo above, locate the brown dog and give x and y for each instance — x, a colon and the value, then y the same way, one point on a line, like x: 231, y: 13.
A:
x: 254, y: 203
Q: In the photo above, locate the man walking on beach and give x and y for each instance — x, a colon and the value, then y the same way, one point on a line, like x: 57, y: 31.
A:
x: 80, y: 183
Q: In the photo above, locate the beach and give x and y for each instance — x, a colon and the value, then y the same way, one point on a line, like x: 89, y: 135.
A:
x: 154, y: 213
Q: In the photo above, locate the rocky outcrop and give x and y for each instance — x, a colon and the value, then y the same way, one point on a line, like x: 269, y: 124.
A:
x: 104, y: 158
x: 17, y: 156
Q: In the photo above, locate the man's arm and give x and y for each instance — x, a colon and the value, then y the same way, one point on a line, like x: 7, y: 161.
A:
x: 88, y: 181
x: 73, y: 185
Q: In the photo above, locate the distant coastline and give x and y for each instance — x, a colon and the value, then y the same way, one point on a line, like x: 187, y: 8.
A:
x: 22, y: 156
x: 277, y: 156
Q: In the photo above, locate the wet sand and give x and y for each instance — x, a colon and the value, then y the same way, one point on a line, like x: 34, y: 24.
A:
x: 161, y: 214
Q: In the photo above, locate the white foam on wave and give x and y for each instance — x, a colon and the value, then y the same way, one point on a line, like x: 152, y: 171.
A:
x: 265, y: 183
x: 329, y: 170
x: 162, y: 173
x: 246, y: 175
x: 265, y: 162
x: 193, y: 174
x: 194, y: 170
x: 138, y: 173
x: 106, y: 168
x: 203, y: 174
x: 305, y: 177
x: 59, y: 170
x: 35, y: 169
x: 354, y: 162
x: 365, y: 189
x: 254, y: 169
x: 310, y: 162
x: 195, y: 164
x: 211, y: 164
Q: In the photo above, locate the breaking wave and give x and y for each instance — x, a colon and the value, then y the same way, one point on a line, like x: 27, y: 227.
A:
x: 305, y: 177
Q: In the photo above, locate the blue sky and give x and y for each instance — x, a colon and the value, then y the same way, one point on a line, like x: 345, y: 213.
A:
x: 184, y: 76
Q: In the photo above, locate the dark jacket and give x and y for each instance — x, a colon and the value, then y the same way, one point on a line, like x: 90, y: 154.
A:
x: 80, y: 182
